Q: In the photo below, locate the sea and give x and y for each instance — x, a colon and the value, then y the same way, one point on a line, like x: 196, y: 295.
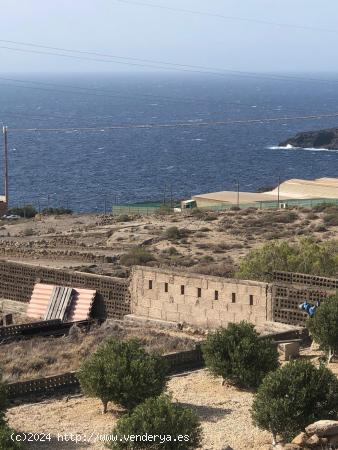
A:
x: 66, y: 151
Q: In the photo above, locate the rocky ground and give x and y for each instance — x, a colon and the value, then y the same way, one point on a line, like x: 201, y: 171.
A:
x: 210, y: 243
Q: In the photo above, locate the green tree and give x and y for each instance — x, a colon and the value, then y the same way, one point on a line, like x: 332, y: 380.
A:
x: 238, y: 354
x: 323, y: 326
x: 124, y: 373
x: 305, y: 256
x: 295, y: 396
x: 159, y: 416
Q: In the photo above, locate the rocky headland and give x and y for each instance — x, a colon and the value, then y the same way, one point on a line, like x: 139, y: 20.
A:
x: 314, y: 139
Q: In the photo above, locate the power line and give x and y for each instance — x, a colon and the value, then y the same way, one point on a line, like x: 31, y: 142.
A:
x: 162, y: 65
x: 231, y: 18
x: 181, y: 124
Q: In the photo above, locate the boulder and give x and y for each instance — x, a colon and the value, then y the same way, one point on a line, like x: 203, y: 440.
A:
x: 300, y: 439
x: 313, y: 441
x: 323, y: 428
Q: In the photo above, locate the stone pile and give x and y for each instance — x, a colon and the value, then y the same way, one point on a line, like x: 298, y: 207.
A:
x: 317, y: 436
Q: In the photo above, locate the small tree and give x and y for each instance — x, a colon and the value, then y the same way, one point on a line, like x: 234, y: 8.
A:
x: 324, y: 326
x: 238, y: 354
x: 295, y: 396
x: 124, y: 373
x: 170, y: 426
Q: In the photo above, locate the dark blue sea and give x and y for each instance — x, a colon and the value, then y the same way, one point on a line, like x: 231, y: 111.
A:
x: 83, y: 169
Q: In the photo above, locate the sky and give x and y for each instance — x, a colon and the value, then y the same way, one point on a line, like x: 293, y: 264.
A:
x: 139, y: 31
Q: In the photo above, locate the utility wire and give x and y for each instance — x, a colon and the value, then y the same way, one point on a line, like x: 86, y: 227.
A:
x: 181, y: 124
x: 231, y: 18
x: 161, y: 65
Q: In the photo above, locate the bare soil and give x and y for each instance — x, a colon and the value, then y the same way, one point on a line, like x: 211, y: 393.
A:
x: 210, y: 242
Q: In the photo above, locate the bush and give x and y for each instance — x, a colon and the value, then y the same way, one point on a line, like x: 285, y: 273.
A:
x: 173, y: 233
x: 136, y: 256
x: 324, y: 326
x: 124, y: 373
x: 123, y: 218
x: 158, y: 416
x: 56, y: 211
x: 305, y: 256
x: 295, y: 396
x: 6, y: 441
x: 27, y: 211
x: 237, y: 354
x: 28, y: 232
x: 331, y: 220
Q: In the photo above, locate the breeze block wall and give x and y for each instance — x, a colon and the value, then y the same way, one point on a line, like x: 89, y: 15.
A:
x: 289, y: 290
x: 198, y: 300
x: 17, y: 281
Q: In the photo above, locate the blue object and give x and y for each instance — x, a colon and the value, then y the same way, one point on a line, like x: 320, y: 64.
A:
x: 309, y: 308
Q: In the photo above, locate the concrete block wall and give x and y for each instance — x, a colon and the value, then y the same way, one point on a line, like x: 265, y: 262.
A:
x: 17, y: 281
x: 198, y: 300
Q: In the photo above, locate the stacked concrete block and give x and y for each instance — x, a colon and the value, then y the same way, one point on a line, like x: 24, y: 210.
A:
x: 198, y: 300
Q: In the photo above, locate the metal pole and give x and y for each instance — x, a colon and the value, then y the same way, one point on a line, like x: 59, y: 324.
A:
x: 237, y: 193
x: 164, y: 195
x: 105, y: 205
x: 278, y: 196
x: 5, y: 133
x: 171, y: 196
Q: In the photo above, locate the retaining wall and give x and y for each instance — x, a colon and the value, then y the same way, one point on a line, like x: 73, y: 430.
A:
x: 203, y: 301
x: 17, y: 281
x: 68, y: 382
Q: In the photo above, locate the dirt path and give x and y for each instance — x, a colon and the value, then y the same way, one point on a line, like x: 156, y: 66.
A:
x: 224, y: 412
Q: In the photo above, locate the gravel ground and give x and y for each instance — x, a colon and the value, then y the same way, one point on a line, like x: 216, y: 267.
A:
x: 224, y: 412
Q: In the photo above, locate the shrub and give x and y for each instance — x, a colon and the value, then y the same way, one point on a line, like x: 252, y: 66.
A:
x: 238, y: 355
x: 56, y: 211
x: 158, y: 416
x: 324, y: 326
x: 27, y: 211
x: 6, y: 441
x: 124, y: 373
x: 28, y: 232
x: 123, y: 218
x: 305, y: 256
x: 136, y: 256
x: 171, y: 251
x: 331, y: 220
x: 173, y: 233
x: 295, y: 396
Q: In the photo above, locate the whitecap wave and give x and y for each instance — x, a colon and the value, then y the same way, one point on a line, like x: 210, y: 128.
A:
x: 279, y: 147
x: 309, y: 149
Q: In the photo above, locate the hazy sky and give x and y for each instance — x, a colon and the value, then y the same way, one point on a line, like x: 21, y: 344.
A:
x: 130, y: 30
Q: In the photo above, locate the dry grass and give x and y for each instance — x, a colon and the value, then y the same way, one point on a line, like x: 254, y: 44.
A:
x: 47, y: 356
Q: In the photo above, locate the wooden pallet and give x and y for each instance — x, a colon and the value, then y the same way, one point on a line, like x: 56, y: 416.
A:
x: 59, y: 303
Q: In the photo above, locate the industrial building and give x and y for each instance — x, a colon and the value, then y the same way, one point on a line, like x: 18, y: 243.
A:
x: 289, y: 191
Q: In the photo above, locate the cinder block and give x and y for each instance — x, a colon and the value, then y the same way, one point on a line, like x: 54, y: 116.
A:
x: 172, y: 316
x: 155, y: 313
x: 145, y: 302
x: 289, y: 350
x: 212, y: 314
x: 169, y: 307
x: 185, y: 309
